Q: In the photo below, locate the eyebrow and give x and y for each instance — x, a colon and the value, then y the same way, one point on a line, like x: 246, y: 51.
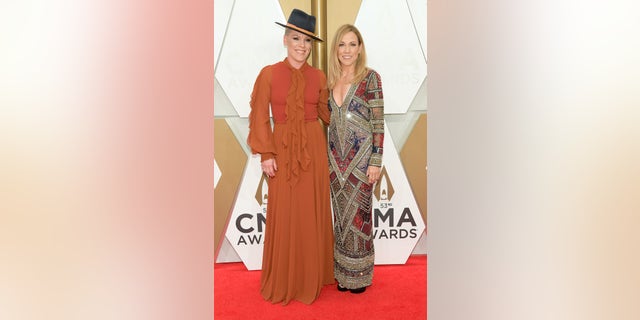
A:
x: 299, y: 34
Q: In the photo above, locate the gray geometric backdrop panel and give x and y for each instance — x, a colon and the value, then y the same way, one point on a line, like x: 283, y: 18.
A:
x: 393, y: 49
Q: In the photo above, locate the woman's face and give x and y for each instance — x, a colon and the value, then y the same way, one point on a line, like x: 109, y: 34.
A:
x: 298, y: 46
x: 348, y: 49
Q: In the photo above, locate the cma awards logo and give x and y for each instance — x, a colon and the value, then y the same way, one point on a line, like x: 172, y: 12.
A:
x: 391, y: 220
x: 251, y: 226
x: 245, y: 231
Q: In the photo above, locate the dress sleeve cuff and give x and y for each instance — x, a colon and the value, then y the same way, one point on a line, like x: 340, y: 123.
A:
x: 375, y: 160
x: 266, y: 156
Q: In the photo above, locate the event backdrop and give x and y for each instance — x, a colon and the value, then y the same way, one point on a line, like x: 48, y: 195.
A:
x: 395, y: 37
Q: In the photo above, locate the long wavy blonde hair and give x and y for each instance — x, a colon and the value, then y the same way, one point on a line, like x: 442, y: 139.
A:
x: 335, y: 70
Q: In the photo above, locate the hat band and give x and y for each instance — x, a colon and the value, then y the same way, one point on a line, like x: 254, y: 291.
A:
x: 307, y: 32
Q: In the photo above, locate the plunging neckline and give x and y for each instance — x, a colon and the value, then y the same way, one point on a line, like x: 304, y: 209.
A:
x: 347, y: 95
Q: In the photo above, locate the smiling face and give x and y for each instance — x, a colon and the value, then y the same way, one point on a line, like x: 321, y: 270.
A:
x: 298, y: 47
x: 348, y: 49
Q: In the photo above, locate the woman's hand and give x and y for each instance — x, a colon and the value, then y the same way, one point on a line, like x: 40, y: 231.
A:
x: 373, y: 173
x: 269, y: 167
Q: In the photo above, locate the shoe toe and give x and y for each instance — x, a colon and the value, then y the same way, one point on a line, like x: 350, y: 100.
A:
x: 358, y: 290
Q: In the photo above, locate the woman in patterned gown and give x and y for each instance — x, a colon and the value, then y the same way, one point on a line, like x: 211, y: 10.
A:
x: 355, y: 140
x: 298, y: 247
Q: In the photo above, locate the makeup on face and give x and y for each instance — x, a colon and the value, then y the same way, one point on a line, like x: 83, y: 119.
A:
x: 298, y: 46
x: 348, y: 49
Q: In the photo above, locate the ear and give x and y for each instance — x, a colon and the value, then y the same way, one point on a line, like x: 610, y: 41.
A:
x: 284, y: 40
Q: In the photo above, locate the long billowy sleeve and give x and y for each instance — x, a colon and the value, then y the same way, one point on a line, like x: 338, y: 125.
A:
x: 323, y: 100
x: 260, y: 137
x: 375, y: 100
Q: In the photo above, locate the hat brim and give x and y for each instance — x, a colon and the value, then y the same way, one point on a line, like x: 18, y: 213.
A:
x: 292, y: 27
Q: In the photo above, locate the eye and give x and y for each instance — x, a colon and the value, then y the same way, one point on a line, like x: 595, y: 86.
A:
x: 296, y: 38
x: 307, y: 40
x: 341, y: 45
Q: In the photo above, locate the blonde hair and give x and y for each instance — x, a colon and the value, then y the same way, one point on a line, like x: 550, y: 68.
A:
x: 334, y: 68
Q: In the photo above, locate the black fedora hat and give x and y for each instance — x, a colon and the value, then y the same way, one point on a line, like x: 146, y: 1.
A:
x: 302, y: 22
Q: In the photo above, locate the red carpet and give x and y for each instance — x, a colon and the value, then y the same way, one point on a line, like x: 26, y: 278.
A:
x: 398, y: 292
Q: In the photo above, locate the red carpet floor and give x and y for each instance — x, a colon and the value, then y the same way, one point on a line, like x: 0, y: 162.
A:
x: 398, y: 292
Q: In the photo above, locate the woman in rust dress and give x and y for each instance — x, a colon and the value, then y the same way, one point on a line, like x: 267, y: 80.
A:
x: 356, y: 137
x: 297, y: 258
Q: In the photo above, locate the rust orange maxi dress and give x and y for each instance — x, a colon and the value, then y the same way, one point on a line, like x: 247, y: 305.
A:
x: 298, y: 246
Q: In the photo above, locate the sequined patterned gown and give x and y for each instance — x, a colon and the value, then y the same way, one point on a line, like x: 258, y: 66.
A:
x: 355, y: 140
